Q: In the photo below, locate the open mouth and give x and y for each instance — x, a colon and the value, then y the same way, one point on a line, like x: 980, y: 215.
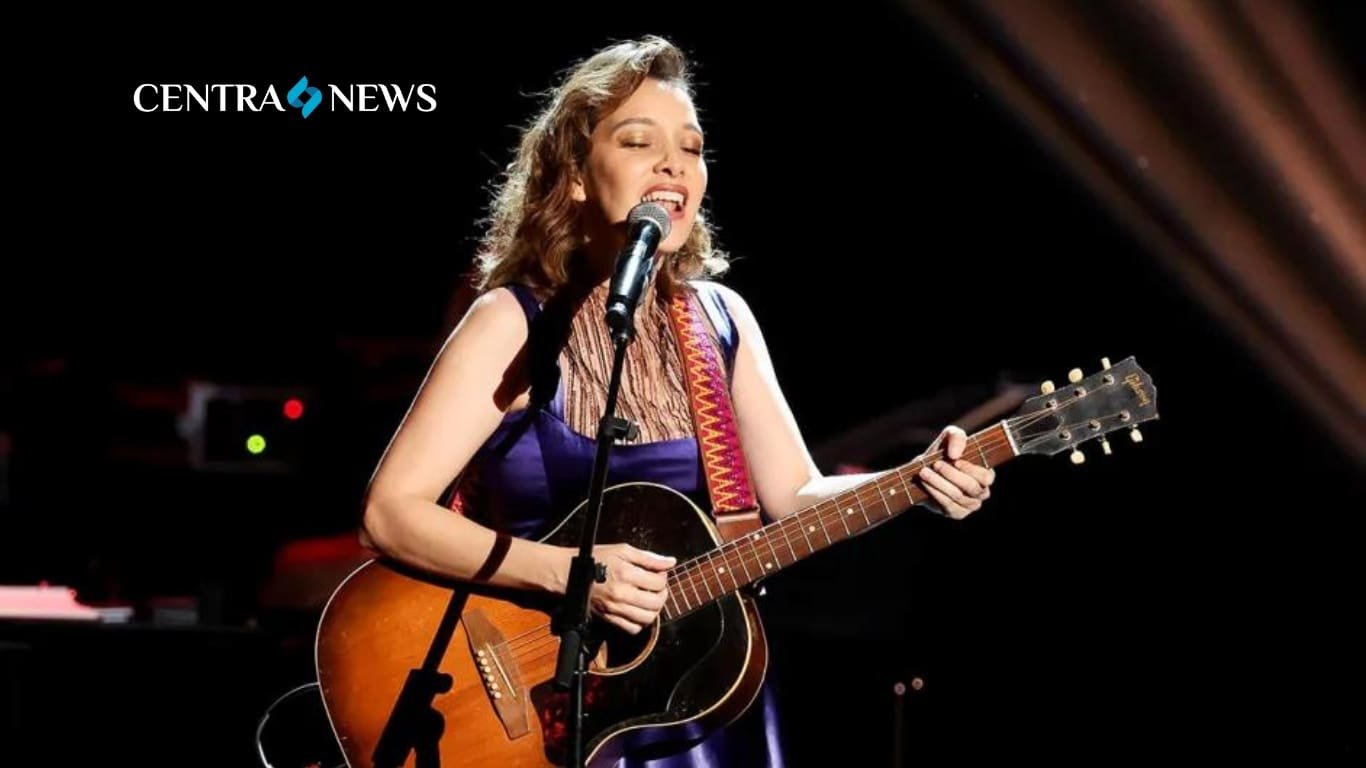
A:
x: 672, y: 201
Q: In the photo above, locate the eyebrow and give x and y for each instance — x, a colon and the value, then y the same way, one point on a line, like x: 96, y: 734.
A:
x: 648, y: 121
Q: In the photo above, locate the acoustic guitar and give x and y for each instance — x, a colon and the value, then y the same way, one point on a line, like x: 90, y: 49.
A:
x: 420, y: 671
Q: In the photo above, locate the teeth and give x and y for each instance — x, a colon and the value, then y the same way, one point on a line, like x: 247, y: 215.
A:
x: 664, y: 196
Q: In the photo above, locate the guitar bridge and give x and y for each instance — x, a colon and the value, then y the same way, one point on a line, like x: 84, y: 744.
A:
x: 498, y: 672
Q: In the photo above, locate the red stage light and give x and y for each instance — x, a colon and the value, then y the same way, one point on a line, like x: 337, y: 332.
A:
x: 294, y: 408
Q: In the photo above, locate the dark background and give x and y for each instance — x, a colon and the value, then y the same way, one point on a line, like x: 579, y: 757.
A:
x: 898, y: 235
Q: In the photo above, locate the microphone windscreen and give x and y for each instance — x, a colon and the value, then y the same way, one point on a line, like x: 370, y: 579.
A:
x: 653, y: 212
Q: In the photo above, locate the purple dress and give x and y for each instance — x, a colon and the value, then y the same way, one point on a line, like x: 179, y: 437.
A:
x: 544, y: 475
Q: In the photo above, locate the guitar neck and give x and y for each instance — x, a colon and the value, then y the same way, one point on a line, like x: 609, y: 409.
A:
x: 778, y: 545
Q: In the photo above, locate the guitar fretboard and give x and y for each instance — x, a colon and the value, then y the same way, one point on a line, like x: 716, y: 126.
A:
x: 727, y: 568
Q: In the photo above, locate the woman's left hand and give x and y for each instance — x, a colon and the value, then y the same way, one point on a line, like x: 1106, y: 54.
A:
x: 957, y: 487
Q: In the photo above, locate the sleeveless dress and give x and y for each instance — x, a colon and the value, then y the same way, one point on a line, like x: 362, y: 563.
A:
x: 543, y: 475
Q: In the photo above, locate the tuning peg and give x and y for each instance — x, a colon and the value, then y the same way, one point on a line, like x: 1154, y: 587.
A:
x: 1105, y: 446
x: 1075, y: 375
x: 1105, y: 363
x: 1077, y: 456
x: 1135, y: 435
x: 1046, y: 388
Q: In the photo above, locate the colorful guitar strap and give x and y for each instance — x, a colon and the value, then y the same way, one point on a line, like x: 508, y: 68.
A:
x: 728, y: 482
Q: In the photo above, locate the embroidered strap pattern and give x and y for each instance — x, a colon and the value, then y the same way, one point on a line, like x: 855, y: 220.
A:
x: 727, y: 475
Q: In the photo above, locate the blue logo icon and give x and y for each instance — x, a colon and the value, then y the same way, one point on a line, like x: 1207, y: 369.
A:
x: 315, y: 96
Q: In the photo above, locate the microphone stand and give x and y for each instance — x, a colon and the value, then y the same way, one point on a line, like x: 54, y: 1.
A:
x: 571, y: 623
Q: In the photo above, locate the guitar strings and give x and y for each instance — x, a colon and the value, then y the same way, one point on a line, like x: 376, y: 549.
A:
x: 534, y: 638
x: 990, y: 442
x: 818, y: 513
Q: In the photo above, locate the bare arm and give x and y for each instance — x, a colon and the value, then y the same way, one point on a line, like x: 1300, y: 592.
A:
x: 786, y: 478
x: 464, y: 397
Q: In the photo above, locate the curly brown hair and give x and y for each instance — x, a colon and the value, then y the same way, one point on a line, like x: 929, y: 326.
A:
x: 533, y: 228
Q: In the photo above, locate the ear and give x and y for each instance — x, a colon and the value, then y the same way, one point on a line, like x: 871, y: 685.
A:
x: 576, y: 190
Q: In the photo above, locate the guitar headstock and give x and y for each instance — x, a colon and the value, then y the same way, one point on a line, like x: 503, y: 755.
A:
x: 1118, y: 397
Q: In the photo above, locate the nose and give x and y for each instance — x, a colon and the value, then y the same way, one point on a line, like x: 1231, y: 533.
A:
x: 671, y: 162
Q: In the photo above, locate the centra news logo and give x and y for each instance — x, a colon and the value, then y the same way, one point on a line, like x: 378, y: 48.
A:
x: 245, y: 97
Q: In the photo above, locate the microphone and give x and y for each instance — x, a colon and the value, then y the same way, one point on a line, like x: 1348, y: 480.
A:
x: 648, y: 226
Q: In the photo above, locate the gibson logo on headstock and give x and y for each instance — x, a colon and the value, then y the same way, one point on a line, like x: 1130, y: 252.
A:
x: 1136, y: 384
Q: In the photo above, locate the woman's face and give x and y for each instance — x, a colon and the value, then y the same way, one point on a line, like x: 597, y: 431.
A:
x: 650, y: 148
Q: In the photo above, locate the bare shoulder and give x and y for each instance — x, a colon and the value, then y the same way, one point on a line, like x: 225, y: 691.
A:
x: 735, y: 303
x: 496, y: 315
x: 487, y: 346
x: 471, y: 384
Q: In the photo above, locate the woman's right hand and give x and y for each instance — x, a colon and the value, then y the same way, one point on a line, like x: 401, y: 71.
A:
x: 636, y: 586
